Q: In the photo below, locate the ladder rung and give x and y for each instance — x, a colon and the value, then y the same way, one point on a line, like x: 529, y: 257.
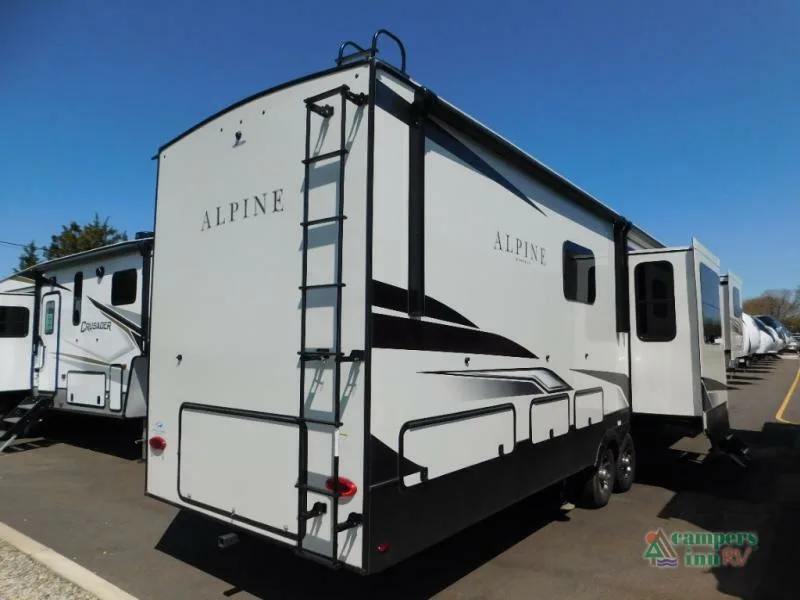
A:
x: 324, y: 95
x: 317, y: 354
x: 27, y: 405
x: 12, y: 420
x: 325, y: 111
x: 354, y: 356
x: 319, y: 157
x: 320, y: 422
x: 321, y: 286
x: 357, y: 99
x: 317, y: 490
x: 332, y: 219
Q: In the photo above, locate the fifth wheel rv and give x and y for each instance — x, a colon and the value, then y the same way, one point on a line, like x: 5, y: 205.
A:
x: 429, y: 326
x: 89, y: 348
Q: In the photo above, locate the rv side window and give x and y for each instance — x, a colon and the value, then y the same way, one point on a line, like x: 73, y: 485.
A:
x: 709, y: 299
x: 655, y: 301
x: 77, y: 294
x: 737, y: 303
x: 14, y: 321
x: 123, y: 287
x: 579, y: 273
x: 49, y: 317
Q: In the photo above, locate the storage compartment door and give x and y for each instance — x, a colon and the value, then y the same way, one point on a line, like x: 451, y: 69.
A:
x: 86, y: 389
x: 241, y: 466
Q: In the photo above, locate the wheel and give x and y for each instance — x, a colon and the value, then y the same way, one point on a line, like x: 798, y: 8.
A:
x: 600, y: 482
x: 626, y: 465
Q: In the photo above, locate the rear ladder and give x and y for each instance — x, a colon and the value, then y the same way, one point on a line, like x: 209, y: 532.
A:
x: 316, y: 108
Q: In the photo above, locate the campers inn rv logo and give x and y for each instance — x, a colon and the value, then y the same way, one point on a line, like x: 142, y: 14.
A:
x: 700, y: 549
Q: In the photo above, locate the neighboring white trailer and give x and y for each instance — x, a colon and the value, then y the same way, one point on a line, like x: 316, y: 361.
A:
x: 393, y: 324
x: 16, y: 326
x: 732, y: 321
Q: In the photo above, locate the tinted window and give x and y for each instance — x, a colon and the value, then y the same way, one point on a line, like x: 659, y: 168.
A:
x: 709, y: 298
x: 737, y: 303
x: 123, y: 287
x: 579, y: 273
x: 14, y: 321
x: 77, y: 294
x: 655, y: 301
x: 49, y: 317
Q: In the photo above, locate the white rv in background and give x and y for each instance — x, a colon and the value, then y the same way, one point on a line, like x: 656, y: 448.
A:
x: 16, y: 326
x: 784, y: 335
x: 428, y: 324
x: 732, y: 322
x: 89, y: 349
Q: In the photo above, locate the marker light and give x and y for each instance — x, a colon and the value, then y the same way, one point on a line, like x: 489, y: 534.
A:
x: 157, y: 443
x: 346, y: 487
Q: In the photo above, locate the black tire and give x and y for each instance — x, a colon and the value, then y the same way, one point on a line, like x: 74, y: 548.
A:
x: 599, y: 484
x: 626, y: 465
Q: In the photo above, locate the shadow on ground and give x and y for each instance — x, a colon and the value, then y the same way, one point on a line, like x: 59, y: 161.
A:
x: 269, y: 571
x: 716, y: 495
x: 99, y: 434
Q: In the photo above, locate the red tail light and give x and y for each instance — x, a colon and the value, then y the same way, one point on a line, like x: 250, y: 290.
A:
x: 157, y: 443
x: 346, y: 487
x: 384, y: 547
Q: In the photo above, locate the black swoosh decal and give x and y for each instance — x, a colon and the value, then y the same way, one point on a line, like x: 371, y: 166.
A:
x: 712, y: 385
x: 395, y: 298
x: 135, y: 330
x: 411, y: 334
x: 395, y: 105
x: 618, y: 379
x: 383, y: 463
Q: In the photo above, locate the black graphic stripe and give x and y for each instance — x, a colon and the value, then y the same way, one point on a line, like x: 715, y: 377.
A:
x: 383, y: 464
x: 487, y: 386
x: 394, y: 104
x: 410, y: 334
x: 134, y: 329
x: 618, y: 379
x: 712, y: 385
x: 395, y: 298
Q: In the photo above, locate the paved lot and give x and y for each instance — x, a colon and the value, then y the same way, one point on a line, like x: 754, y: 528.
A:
x: 87, y: 503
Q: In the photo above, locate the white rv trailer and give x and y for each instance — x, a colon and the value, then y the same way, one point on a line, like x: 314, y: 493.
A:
x: 732, y: 323
x: 784, y: 336
x: 428, y: 325
x: 16, y: 325
x: 89, y: 354
x: 774, y: 340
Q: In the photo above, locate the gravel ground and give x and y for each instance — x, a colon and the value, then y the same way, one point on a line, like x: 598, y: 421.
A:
x: 22, y: 578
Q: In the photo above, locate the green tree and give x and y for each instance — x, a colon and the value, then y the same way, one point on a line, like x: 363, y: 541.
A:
x: 79, y: 238
x: 29, y: 256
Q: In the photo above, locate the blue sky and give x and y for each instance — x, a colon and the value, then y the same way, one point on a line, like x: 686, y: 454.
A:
x: 681, y: 115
